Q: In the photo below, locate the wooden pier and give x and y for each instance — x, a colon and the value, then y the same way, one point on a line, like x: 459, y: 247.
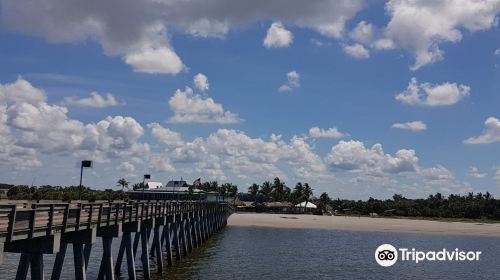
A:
x: 159, y: 227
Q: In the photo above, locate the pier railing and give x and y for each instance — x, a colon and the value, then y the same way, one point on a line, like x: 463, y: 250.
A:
x: 46, y: 228
x: 41, y: 219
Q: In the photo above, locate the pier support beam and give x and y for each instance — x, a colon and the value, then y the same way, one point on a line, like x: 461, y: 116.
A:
x: 32, y: 251
x: 107, y: 234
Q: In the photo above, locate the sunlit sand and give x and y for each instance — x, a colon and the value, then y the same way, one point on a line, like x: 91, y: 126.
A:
x: 362, y: 224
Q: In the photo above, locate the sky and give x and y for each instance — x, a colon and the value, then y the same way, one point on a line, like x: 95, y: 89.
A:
x: 358, y: 98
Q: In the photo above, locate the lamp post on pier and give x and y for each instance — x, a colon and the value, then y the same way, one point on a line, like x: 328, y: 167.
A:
x: 146, y: 176
x: 85, y: 163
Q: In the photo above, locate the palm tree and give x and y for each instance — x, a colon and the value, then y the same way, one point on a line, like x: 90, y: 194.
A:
x: 122, y: 182
x: 278, y: 189
x: 298, y: 193
x: 308, y: 192
x: 266, y: 189
x: 254, y: 190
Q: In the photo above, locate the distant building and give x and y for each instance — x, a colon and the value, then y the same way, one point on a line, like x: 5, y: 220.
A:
x: 177, y: 186
x: 4, y: 189
x: 154, y: 185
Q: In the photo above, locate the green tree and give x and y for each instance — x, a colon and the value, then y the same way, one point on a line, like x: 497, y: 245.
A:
x: 123, y: 183
x: 254, y: 190
x: 266, y: 189
x: 308, y: 192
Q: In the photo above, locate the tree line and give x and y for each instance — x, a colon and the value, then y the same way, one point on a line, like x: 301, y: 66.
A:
x: 68, y: 193
x: 64, y: 193
x: 470, y: 206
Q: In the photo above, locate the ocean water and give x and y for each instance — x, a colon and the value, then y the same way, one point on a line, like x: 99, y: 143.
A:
x: 264, y: 253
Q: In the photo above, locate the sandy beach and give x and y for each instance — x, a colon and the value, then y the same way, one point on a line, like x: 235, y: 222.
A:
x: 362, y: 224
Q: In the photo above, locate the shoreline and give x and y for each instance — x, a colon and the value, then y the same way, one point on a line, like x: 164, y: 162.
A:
x: 367, y: 224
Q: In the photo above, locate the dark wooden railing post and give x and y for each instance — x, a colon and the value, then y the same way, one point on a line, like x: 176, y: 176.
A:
x: 51, y: 220
x: 12, y: 222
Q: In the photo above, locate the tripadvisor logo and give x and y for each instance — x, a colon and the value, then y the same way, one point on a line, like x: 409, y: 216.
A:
x: 387, y: 255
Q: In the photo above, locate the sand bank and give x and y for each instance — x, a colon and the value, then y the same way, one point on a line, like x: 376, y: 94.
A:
x: 362, y: 224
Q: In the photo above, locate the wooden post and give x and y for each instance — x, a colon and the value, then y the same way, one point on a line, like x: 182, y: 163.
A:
x: 119, y: 258
x: 175, y: 228
x: 130, y: 256
x: 22, y: 268
x: 86, y: 254
x: 58, y: 262
x: 168, y: 239
x: 106, y: 268
x: 144, y: 255
x: 36, y: 266
x: 157, y: 247
x: 79, y: 260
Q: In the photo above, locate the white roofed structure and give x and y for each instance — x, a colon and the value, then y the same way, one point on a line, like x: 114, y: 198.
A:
x: 309, y: 205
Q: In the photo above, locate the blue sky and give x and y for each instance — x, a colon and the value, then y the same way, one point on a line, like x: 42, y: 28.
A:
x: 338, y: 124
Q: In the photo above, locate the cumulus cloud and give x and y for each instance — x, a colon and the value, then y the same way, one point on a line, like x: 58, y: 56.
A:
x: 155, y: 60
x: 137, y: 31
x: 30, y: 126
x: 316, y: 132
x: 354, y: 156
x: 126, y: 167
x: 474, y: 172
x: 438, y: 173
x: 278, y: 36
x: 165, y: 136
x: 427, y: 94
x: 497, y: 177
x: 497, y: 52
x: 420, y: 26
x: 232, y: 152
x: 95, y: 100
x: 189, y: 107
x: 491, y: 133
x: 292, y: 82
x: 200, y: 81
x: 413, y: 126
x: 363, y: 33
x: 357, y: 50
x: 161, y: 163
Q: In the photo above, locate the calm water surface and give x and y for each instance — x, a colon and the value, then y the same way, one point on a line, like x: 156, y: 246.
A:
x: 258, y: 253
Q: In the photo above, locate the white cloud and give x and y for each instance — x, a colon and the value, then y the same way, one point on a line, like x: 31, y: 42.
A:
x: 278, y: 36
x: 497, y: 52
x: 413, y: 126
x: 200, y: 81
x: 230, y: 153
x: 206, y: 28
x: 316, y: 132
x: 438, y: 173
x: 161, y: 163
x: 165, y: 136
x: 383, y: 44
x: 426, y: 94
x: 95, y: 100
x: 497, y: 177
x: 131, y: 29
x: 420, y: 26
x: 362, y: 33
x: 357, y: 50
x: 126, y: 167
x: 318, y: 43
x: 292, y: 82
x: 30, y: 126
x: 474, y: 172
x: 491, y: 133
x: 352, y: 155
x: 21, y: 91
x: 189, y: 107
x: 160, y: 60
